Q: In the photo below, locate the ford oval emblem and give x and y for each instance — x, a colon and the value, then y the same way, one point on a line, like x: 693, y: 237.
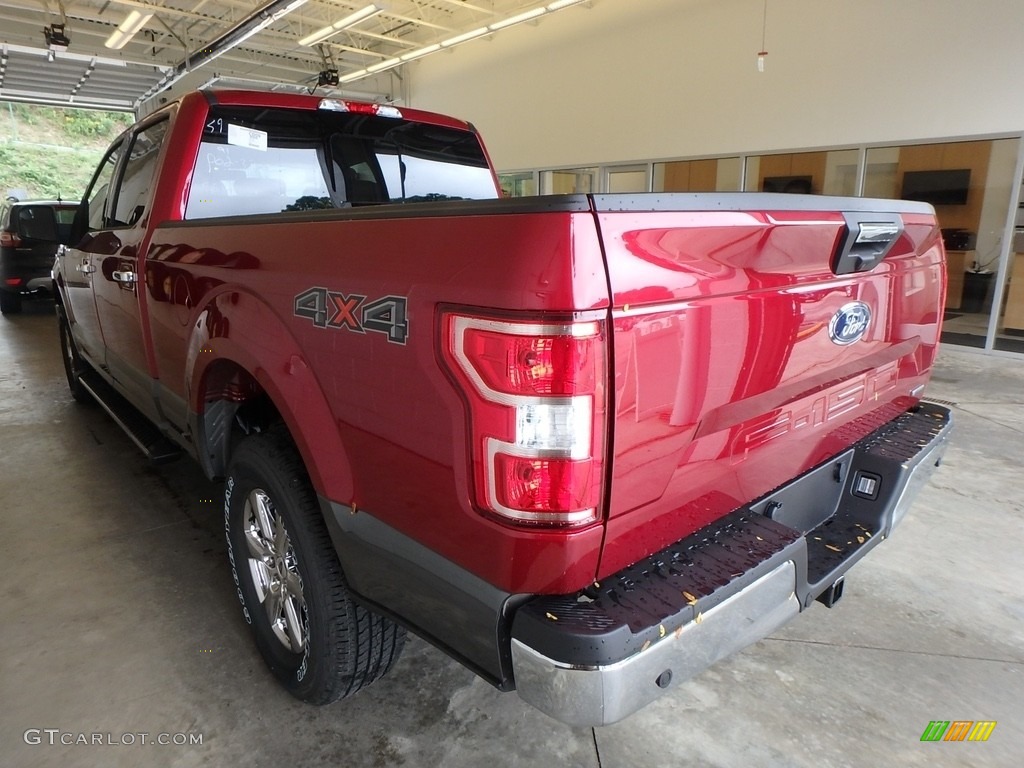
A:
x: 850, y: 323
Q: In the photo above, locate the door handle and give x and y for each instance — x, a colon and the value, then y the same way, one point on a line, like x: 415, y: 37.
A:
x: 124, y: 277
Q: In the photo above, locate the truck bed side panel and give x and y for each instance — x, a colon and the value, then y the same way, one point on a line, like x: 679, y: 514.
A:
x: 401, y: 420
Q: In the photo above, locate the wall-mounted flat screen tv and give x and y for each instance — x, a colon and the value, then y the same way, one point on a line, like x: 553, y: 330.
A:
x: 937, y: 187
x: 800, y: 185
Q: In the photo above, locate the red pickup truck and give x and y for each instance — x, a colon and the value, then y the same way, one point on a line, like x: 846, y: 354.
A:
x: 587, y: 445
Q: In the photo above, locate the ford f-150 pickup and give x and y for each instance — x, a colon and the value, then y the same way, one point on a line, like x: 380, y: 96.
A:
x: 588, y: 445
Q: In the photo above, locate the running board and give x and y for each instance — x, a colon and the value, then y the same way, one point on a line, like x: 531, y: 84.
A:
x: 144, y: 433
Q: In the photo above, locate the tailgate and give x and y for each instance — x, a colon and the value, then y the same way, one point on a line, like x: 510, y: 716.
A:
x: 755, y: 336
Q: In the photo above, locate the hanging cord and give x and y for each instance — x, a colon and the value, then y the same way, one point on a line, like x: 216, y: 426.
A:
x: 764, y: 27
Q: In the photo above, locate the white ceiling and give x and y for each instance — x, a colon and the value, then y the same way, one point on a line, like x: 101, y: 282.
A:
x: 171, y: 44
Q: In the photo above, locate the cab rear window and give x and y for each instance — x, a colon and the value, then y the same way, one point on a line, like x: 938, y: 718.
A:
x: 254, y: 160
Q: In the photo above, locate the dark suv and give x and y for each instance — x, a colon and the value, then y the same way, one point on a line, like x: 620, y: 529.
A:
x: 29, y: 233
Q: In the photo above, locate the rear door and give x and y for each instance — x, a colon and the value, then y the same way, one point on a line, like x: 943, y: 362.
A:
x: 755, y: 336
x: 80, y: 262
x: 119, y: 270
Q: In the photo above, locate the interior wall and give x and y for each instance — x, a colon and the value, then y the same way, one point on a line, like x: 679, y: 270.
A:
x: 612, y: 81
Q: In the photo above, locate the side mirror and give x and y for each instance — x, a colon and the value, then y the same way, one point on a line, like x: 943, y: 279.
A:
x: 37, y: 222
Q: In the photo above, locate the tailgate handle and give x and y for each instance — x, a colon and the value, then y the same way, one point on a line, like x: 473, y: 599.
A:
x: 867, y: 239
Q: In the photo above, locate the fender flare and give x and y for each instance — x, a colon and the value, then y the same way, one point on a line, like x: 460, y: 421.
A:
x: 241, y: 329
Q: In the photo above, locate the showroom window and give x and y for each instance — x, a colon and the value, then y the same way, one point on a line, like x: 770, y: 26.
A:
x: 627, y: 179
x: 518, y: 184
x: 810, y: 173
x: 707, y: 175
x: 571, y: 181
x: 973, y: 186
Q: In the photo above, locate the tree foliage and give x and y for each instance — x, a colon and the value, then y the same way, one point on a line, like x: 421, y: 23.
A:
x: 50, y: 152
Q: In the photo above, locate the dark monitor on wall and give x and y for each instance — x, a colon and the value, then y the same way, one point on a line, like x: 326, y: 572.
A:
x: 799, y: 185
x: 937, y: 187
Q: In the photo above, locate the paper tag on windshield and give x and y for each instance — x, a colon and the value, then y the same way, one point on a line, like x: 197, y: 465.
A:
x: 247, y: 137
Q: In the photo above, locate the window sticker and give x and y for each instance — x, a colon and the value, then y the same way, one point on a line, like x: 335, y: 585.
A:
x: 247, y: 137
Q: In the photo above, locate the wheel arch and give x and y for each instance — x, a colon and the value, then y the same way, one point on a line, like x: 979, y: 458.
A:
x: 246, y: 371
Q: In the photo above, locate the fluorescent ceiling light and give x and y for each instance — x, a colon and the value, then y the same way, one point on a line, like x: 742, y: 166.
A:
x: 420, y: 52
x: 127, y: 29
x: 264, y: 23
x: 387, y: 64
x: 288, y: 9
x: 351, y: 20
x: 353, y: 76
x: 560, y: 4
x: 231, y: 39
x: 464, y: 37
x: 519, y: 18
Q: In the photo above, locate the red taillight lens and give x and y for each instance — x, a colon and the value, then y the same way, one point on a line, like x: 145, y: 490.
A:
x: 9, y: 240
x: 360, y: 108
x: 543, y: 487
x: 536, y: 399
x: 13, y: 281
x: 532, y: 365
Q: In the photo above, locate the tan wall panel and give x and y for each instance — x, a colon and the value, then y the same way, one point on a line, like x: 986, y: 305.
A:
x: 703, y: 175
x: 677, y: 177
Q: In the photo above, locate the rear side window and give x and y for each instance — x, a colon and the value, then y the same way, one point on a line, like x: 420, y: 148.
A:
x: 99, y: 192
x: 133, y: 192
x: 261, y: 161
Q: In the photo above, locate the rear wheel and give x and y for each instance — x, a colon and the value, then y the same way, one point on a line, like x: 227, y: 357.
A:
x: 74, y: 366
x: 312, y: 635
x: 10, y: 303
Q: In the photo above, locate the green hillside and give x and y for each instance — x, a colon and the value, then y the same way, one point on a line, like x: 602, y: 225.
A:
x: 48, y: 153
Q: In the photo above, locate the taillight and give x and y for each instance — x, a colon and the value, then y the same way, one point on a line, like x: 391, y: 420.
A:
x: 9, y: 240
x: 13, y: 281
x: 359, y: 108
x: 536, y: 394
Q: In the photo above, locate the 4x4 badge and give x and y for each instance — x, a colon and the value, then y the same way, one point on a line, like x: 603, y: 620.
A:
x: 332, y: 309
x: 850, y: 323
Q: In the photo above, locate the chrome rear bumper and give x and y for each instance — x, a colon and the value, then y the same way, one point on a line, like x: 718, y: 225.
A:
x: 606, y: 694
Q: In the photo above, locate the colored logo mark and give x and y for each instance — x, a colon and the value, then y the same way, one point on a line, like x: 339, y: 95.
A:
x: 850, y: 323
x: 958, y: 730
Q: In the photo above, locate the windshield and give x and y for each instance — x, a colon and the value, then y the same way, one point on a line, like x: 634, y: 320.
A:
x: 254, y: 160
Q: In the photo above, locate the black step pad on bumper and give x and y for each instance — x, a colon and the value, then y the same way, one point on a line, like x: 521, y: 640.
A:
x: 638, y: 606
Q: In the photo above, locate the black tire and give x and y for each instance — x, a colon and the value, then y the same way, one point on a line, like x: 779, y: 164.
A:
x: 10, y: 303
x: 336, y: 647
x: 74, y: 365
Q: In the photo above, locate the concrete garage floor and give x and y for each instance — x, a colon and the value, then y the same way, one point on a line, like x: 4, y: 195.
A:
x: 119, y: 617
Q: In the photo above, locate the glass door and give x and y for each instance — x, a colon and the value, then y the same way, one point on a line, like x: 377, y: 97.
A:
x: 1009, y: 320
x: 571, y: 181
x: 627, y: 179
x: 518, y: 184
